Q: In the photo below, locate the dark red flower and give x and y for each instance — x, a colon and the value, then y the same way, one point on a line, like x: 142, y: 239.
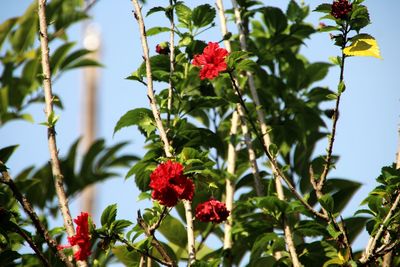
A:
x: 341, y: 8
x: 212, y: 211
x: 81, y: 237
x: 170, y: 185
x: 212, y: 61
x: 162, y: 48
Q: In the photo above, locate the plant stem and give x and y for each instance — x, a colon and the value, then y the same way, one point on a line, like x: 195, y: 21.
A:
x: 335, y: 117
x: 274, y: 165
x: 145, y: 253
x: 373, y: 241
x: 33, y: 246
x: 160, y: 127
x: 51, y: 133
x: 27, y: 206
x: 171, y: 63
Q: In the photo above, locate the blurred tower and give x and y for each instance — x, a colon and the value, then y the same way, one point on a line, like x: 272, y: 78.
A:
x: 91, y: 41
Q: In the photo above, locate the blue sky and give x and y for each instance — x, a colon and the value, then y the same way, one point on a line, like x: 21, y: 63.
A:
x: 367, y: 133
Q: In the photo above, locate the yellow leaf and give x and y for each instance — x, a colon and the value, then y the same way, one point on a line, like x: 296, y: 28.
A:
x: 363, y: 45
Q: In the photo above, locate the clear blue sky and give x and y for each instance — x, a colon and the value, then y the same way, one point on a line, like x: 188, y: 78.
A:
x: 367, y: 129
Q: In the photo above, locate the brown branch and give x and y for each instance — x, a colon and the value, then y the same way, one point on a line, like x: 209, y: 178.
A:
x: 277, y: 171
x: 373, y: 241
x: 160, y: 127
x: 154, y: 241
x: 335, y: 117
x: 32, y: 245
x: 144, y: 252
x: 51, y: 133
x: 171, y: 63
x: 40, y: 228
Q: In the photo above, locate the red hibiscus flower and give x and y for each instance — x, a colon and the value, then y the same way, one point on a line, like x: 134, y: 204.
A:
x: 212, y: 211
x: 341, y: 8
x: 170, y: 185
x: 81, y: 237
x: 212, y: 61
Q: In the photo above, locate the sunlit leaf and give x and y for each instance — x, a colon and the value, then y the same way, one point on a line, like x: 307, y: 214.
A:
x: 363, y: 45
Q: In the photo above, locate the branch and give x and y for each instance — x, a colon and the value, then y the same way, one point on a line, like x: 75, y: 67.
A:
x: 274, y: 165
x: 160, y: 127
x: 32, y: 245
x: 154, y: 241
x: 171, y: 62
x: 335, y: 117
x: 373, y: 241
x: 144, y: 253
x: 27, y: 206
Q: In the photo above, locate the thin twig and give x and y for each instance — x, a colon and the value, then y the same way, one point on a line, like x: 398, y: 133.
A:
x: 28, y: 208
x: 154, y: 241
x: 32, y: 245
x: 373, y: 241
x: 335, y: 117
x: 277, y: 171
x: 157, y: 224
x: 160, y: 127
x: 171, y: 62
x: 51, y: 133
x: 144, y: 252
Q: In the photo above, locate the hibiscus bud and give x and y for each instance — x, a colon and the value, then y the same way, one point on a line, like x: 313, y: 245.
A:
x: 162, y: 48
x: 341, y: 8
x: 212, y: 211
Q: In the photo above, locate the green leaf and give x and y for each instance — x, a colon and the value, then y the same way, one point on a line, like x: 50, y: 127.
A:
x: 108, y: 216
x: 156, y: 30
x: 184, y: 14
x: 24, y: 36
x: 203, y: 15
x: 332, y: 96
x: 294, y: 12
x: 247, y: 65
x: 84, y: 62
x: 275, y: 19
x: 6, y: 152
x: 317, y: 71
x: 324, y: 8
x: 154, y: 10
x: 119, y: 225
x: 58, y: 56
x: 273, y: 149
x: 341, y: 87
x: 236, y: 56
x: 332, y: 231
x: 73, y: 57
x: 127, y: 257
x: 326, y: 201
x: 178, y: 235
x: 141, y: 117
x: 5, y: 28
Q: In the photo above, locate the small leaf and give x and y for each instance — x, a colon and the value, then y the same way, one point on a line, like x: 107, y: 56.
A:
x: 326, y: 201
x: 332, y: 96
x: 363, y: 45
x: 275, y: 19
x: 273, y: 149
x: 109, y: 214
x: 156, y: 30
x: 154, y: 10
x: 324, y: 8
x: 184, y: 15
x: 141, y: 117
x: 203, y: 15
x: 341, y: 87
x: 6, y: 152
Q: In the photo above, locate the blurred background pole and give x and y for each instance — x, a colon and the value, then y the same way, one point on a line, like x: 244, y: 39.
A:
x: 91, y: 41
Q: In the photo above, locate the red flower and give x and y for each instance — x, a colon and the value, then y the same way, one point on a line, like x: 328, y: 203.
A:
x: 162, y: 48
x: 341, y: 8
x: 81, y: 237
x: 170, y: 185
x: 212, y: 211
x: 212, y: 61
